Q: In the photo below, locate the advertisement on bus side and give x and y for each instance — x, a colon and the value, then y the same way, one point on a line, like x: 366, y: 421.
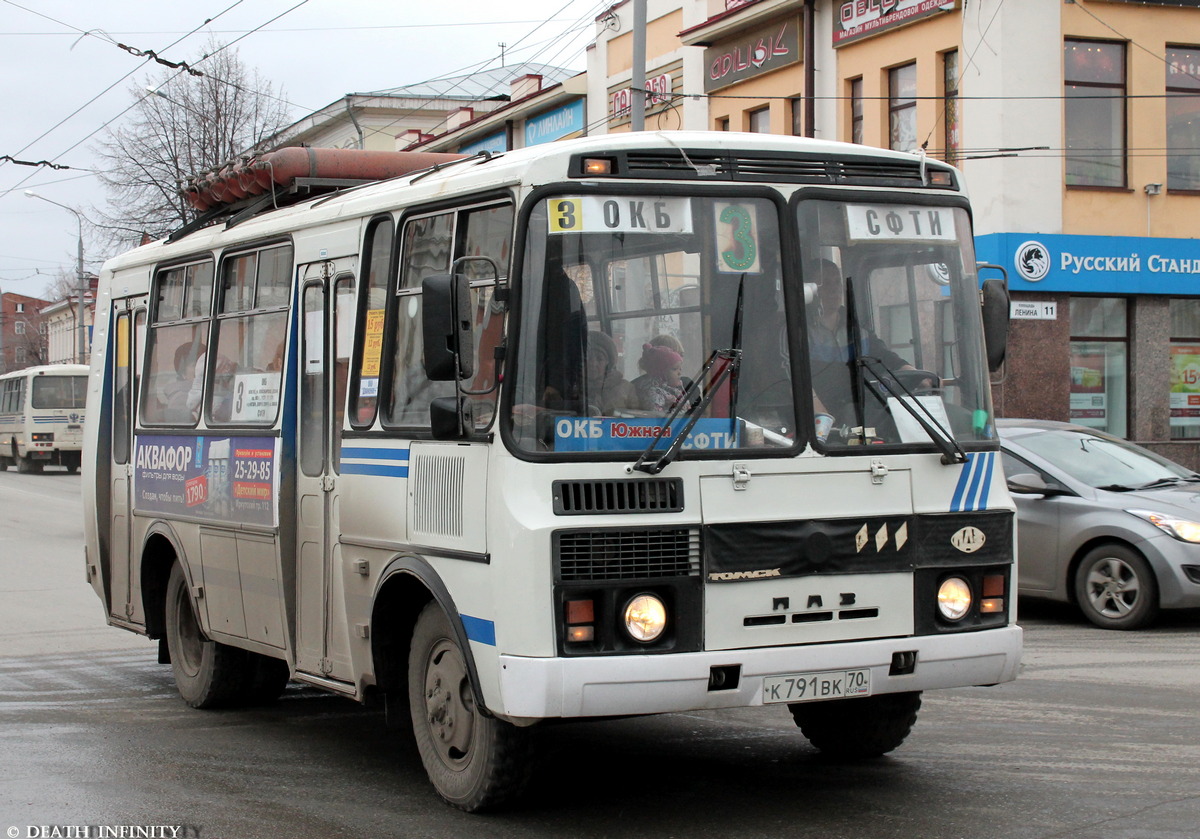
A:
x: 216, y: 478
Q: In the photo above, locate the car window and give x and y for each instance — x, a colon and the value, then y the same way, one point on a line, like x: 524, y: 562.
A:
x: 1100, y: 460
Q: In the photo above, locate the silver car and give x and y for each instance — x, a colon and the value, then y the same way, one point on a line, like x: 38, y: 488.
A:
x: 1102, y: 523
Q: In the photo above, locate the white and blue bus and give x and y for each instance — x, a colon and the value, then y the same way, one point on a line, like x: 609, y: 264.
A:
x: 41, y: 417
x: 622, y: 425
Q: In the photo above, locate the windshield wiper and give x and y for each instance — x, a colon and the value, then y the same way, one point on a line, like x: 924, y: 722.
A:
x: 1116, y: 488
x: 943, y: 438
x: 1170, y: 480
x: 732, y: 359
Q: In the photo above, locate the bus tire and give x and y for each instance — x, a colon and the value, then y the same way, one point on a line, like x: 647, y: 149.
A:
x: 475, y: 761
x: 208, y: 674
x: 268, y: 679
x: 27, y: 465
x: 3, y: 463
x: 858, y: 728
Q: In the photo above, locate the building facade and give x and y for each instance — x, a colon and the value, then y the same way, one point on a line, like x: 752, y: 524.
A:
x: 22, y: 332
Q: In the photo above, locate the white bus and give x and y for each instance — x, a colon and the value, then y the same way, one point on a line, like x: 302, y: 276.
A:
x: 550, y: 435
x: 41, y: 417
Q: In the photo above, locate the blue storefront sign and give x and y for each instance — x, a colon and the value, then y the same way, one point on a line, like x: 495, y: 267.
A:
x: 1094, y: 264
x: 494, y: 143
x: 554, y: 125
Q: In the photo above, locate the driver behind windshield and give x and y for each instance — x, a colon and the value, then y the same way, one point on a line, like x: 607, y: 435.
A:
x: 830, y: 350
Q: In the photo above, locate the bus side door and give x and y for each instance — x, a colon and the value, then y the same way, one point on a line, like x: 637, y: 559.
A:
x: 125, y: 602
x: 326, y: 329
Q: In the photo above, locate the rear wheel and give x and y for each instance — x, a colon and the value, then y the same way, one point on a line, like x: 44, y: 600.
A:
x: 208, y: 674
x: 268, y: 679
x: 27, y: 465
x: 1115, y: 588
x: 475, y: 761
x: 858, y: 728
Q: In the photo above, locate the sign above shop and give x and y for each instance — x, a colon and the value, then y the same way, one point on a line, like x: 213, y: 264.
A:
x: 1095, y: 264
x: 858, y: 19
x: 759, y: 51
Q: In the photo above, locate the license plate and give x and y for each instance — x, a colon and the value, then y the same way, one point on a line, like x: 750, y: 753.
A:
x: 813, y: 687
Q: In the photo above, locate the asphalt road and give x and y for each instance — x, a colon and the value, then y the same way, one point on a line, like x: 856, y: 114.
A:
x: 1100, y: 737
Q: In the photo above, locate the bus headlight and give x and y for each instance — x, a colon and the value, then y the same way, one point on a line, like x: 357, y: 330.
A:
x: 954, y: 598
x: 645, y: 618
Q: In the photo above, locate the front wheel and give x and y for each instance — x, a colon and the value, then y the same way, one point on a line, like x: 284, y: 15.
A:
x: 1115, y: 588
x: 858, y: 728
x: 475, y: 761
x: 208, y: 674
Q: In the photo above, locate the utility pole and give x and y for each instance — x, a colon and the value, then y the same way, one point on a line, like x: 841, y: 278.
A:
x: 81, y: 352
x: 637, y: 84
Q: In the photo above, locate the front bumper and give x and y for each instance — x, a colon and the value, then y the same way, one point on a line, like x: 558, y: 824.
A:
x: 540, y: 688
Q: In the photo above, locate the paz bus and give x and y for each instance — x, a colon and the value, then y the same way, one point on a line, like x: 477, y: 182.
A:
x: 549, y: 435
x: 41, y: 417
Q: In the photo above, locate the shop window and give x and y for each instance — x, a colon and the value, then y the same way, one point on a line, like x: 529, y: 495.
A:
x: 856, y: 111
x: 1183, y: 118
x: 1094, y: 112
x: 1099, y: 366
x: 797, y: 107
x: 902, y: 107
x: 1185, y: 369
x: 759, y: 121
x: 950, y: 128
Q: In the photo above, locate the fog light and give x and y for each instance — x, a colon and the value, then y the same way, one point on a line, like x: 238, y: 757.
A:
x: 578, y: 634
x: 645, y: 618
x: 954, y: 598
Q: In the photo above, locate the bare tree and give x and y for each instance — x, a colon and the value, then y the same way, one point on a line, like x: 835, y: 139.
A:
x: 197, y: 124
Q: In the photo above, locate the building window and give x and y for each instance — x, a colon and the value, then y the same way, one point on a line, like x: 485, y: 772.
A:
x: 1094, y: 74
x: 19, y: 327
x: 1099, y: 370
x: 1185, y: 369
x: 856, y: 111
x: 1183, y: 118
x: 902, y: 107
x: 20, y: 308
x: 19, y: 355
x: 797, y: 106
x: 723, y: 124
x: 950, y: 105
x: 759, y: 121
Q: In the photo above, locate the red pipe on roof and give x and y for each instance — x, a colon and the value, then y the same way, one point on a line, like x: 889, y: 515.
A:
x: 259, y: 173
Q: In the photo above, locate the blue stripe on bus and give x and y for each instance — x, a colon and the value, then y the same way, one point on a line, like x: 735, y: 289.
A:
x: 974, y: 483
x: 363, y: 460
x: 374, y: 454
x: 378, y: 469
x: 479, y: 629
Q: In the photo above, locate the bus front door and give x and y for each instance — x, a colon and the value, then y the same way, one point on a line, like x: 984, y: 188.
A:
x: 327, y: 310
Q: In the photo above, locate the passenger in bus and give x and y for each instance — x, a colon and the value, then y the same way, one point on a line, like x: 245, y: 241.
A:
x: 663, y: 385
x: 607, y: 389
x: 176, y: 406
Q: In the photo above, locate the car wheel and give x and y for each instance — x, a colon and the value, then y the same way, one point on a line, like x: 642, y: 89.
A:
x: 853, y: 729
x: 1115, y: 588
x: 475, y: 761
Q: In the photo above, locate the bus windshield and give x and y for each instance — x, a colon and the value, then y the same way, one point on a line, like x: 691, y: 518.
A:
x: 625, y: 299
x: 894, y: 331
x: 59, y: 392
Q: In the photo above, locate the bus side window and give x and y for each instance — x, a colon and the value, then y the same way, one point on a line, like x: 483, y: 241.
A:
x: 174, y: 380
x: 426, y: 249
x: 364, y: 398
x: 245, y: 370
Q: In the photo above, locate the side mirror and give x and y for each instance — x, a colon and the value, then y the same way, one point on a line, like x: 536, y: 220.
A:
x: 1030, y: 483
x: 995, y: 321
x: 449, y: 341
x: 451, y: 418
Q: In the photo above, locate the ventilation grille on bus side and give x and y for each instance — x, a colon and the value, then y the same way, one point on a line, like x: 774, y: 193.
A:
x: 437, y: 495
x: 647, y: 495
x: 842, y: 170
x: 627, y: 554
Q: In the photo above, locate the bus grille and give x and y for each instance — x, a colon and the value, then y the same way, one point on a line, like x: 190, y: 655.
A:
x: 648, y: 495
x: 842, y: 170
x: 627, y: 554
